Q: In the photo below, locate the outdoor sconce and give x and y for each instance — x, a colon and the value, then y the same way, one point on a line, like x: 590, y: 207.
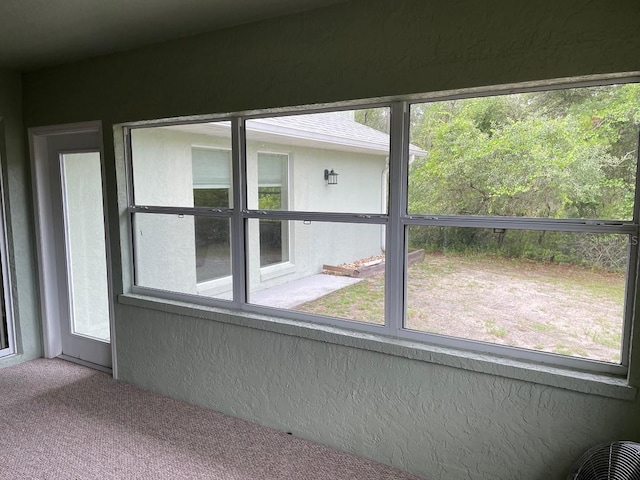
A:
x: 331, y: 177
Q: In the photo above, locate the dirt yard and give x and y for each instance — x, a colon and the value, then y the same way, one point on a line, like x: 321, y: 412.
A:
x: 554, y: 308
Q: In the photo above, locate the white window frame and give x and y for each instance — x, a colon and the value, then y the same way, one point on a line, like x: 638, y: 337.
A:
x: 288, y: 266
x: 396, y: 221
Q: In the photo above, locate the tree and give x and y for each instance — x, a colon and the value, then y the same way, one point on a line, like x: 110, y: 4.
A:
x: 560, y: 154
x: 376, y: 118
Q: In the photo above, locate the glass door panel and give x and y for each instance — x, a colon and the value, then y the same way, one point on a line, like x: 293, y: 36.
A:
x: 85, y: 245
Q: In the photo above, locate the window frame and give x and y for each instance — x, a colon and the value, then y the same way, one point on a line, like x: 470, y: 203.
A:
x: 6, y: 296
x: 397, y: 220
x: 630, y: 228
x: 278, y: 268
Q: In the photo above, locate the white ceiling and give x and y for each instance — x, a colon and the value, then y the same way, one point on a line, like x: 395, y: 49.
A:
x: 38, y: 33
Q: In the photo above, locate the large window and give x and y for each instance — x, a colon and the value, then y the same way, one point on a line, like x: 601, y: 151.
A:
x: 504, y: 223
x: 525, y: 209
x: 305, y: 233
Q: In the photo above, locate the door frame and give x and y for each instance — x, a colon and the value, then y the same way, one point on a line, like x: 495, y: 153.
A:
x: 50, y: 289
x: 6, y: 280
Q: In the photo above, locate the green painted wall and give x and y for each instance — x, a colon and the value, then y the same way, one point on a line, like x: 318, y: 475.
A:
x: 359, y: 49
x: 17, y: 195
x: 439, y: 422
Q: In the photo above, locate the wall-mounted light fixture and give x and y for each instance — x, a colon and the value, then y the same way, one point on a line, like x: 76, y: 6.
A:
x: 331, y: 177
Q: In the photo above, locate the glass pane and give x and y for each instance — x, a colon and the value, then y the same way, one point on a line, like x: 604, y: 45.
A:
x: 549, y: 291
x: 272, y: 170
x: 182, y: 165
x: 212, y: 197
x: 287, y: 158
x: 557, y: 154
x: 332, y: 269
x: 274, y: 242
x: 184, y: 254
x: 86, y: 245
x: 213, y: 249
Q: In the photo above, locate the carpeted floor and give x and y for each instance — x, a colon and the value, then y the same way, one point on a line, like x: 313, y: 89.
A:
x: 63, y: 421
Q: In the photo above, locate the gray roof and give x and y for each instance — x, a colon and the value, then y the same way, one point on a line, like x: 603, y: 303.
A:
x: 332, y: 130
x: 330, y: 127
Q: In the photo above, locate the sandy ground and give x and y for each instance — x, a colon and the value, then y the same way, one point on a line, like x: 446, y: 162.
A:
x: 554, y: 308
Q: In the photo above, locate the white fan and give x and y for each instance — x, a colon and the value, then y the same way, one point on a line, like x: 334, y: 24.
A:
x: 609, y: 461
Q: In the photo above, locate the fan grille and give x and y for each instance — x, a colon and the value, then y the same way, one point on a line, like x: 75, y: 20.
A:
x: 609, y: 461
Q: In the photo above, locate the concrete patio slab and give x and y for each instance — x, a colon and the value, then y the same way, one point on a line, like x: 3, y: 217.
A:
x: 301, y: 291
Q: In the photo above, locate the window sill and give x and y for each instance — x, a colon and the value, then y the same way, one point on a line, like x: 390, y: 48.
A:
x: 589, y: 383
x: 6, y: 354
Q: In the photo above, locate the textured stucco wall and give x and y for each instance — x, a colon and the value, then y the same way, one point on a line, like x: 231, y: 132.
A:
x: 436, y: 421
x: 17, y: 195
x: 439, y: 422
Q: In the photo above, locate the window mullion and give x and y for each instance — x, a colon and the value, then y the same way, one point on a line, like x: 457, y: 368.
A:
x: 199, y: 211
x: 128, y: 165
x: 316, y: 216
x: 523, y: 223
x: 239, y: 182
x: 630, y: 299
x: 631, y: 293
x: 395, y: 251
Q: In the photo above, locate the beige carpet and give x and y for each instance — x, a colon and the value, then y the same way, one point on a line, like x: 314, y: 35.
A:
x: 63, y: 421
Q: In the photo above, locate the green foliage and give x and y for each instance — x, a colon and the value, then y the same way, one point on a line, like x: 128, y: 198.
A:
x: 559, y: 154
x: 376, y: 118
x: 269, y: 198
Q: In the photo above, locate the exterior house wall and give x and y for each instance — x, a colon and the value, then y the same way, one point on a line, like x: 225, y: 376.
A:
x: 441, y: 422
x: 165, y: 247
x: 313, y: 245
x: 165, y: 244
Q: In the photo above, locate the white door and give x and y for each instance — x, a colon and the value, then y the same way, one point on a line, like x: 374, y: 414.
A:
x: 72, y: 246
